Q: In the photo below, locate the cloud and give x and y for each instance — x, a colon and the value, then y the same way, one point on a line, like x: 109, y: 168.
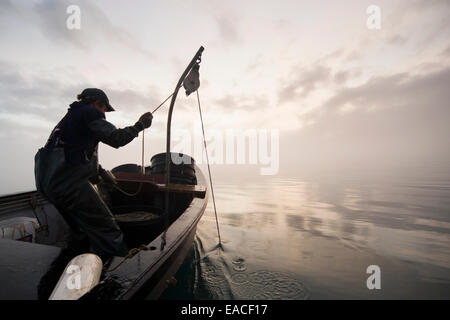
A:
x: 446, y: 52
x: 342, y: 76
x: 50, y: 17
x: 6, y: 5
x: 36, y: 95
x: 397, y: 121
x: 226, y: 101
x: 227, y: 27
x: 425, y: 4
x: 132, y: 100
x: 302, y: 81
x: 396, y: 90
x: 425, y: 21
x: 397, y: 40
x: 245, y: 102
x: 48, y: 98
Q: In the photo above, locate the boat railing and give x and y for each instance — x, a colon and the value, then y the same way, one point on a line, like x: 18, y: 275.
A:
x: 21, y: 201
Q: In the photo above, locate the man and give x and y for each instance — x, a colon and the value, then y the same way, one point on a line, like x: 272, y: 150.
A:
x: 68, y: 164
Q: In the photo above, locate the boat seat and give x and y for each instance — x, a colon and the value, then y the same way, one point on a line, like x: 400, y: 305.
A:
x: 130, y: 183
x: 137, y: 216
x: 198, y: 191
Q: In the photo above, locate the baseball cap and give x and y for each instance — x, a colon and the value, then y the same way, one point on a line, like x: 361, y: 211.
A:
x: 96, y: 94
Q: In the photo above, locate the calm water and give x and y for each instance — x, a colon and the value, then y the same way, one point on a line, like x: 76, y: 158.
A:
x: 314, y: 239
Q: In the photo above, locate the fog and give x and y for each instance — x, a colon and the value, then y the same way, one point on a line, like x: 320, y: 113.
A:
x: 344, y: 98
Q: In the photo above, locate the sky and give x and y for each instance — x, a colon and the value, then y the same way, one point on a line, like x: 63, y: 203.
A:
x: 340, y: 95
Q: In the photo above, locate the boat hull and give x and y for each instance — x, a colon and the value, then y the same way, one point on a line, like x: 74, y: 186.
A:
x: 143, y: 276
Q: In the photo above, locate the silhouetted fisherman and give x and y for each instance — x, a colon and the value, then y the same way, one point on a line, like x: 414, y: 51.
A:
x: 67, y: 167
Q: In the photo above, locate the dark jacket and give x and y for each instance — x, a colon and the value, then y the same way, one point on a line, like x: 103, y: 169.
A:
x: 70, y: 155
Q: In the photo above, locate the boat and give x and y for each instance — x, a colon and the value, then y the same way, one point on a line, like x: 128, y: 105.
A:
x: 157, y: 207
x: 37, y: 257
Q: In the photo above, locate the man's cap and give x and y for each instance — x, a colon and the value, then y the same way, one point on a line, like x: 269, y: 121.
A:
x: 96, y: 94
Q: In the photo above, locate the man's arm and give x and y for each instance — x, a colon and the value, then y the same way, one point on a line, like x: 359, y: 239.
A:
x: 107, y: 133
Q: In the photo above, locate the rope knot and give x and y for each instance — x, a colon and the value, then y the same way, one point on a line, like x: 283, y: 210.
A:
x: 135, y: 251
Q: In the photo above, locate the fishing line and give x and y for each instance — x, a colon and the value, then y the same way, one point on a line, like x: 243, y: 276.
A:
x: 191, y: 87
x: 209, y: 170
x: 143, y: 154
x: 207, y: 160
x: 143, y: 131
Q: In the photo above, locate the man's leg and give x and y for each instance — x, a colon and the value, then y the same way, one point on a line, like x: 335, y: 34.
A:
x: 76, y: 239
x: 88, y: 211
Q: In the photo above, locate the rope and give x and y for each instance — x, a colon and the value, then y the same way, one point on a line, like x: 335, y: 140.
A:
x: 209, y: 170
x: 143, y: 154
x: 129, y: 194
x: 135, y: 251
x: 164, y: 101
x: 130, y: 255
x: 143, y: 147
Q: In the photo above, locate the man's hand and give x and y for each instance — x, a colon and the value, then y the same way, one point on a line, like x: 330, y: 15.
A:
x: 146, y: 120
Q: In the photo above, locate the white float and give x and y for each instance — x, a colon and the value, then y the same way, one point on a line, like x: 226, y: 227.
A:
x: 80, y: 276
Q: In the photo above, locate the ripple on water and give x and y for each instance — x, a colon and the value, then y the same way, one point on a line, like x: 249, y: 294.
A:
x: 211, y: 276
x: 239, y: 278
x: 268, y: 285
x: 239, y: 264
x: 218, y: 292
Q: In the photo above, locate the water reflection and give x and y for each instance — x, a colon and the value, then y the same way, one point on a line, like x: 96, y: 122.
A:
x: 292, y: 239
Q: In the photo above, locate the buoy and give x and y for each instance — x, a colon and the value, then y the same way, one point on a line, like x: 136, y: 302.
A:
x: 80, y: 276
